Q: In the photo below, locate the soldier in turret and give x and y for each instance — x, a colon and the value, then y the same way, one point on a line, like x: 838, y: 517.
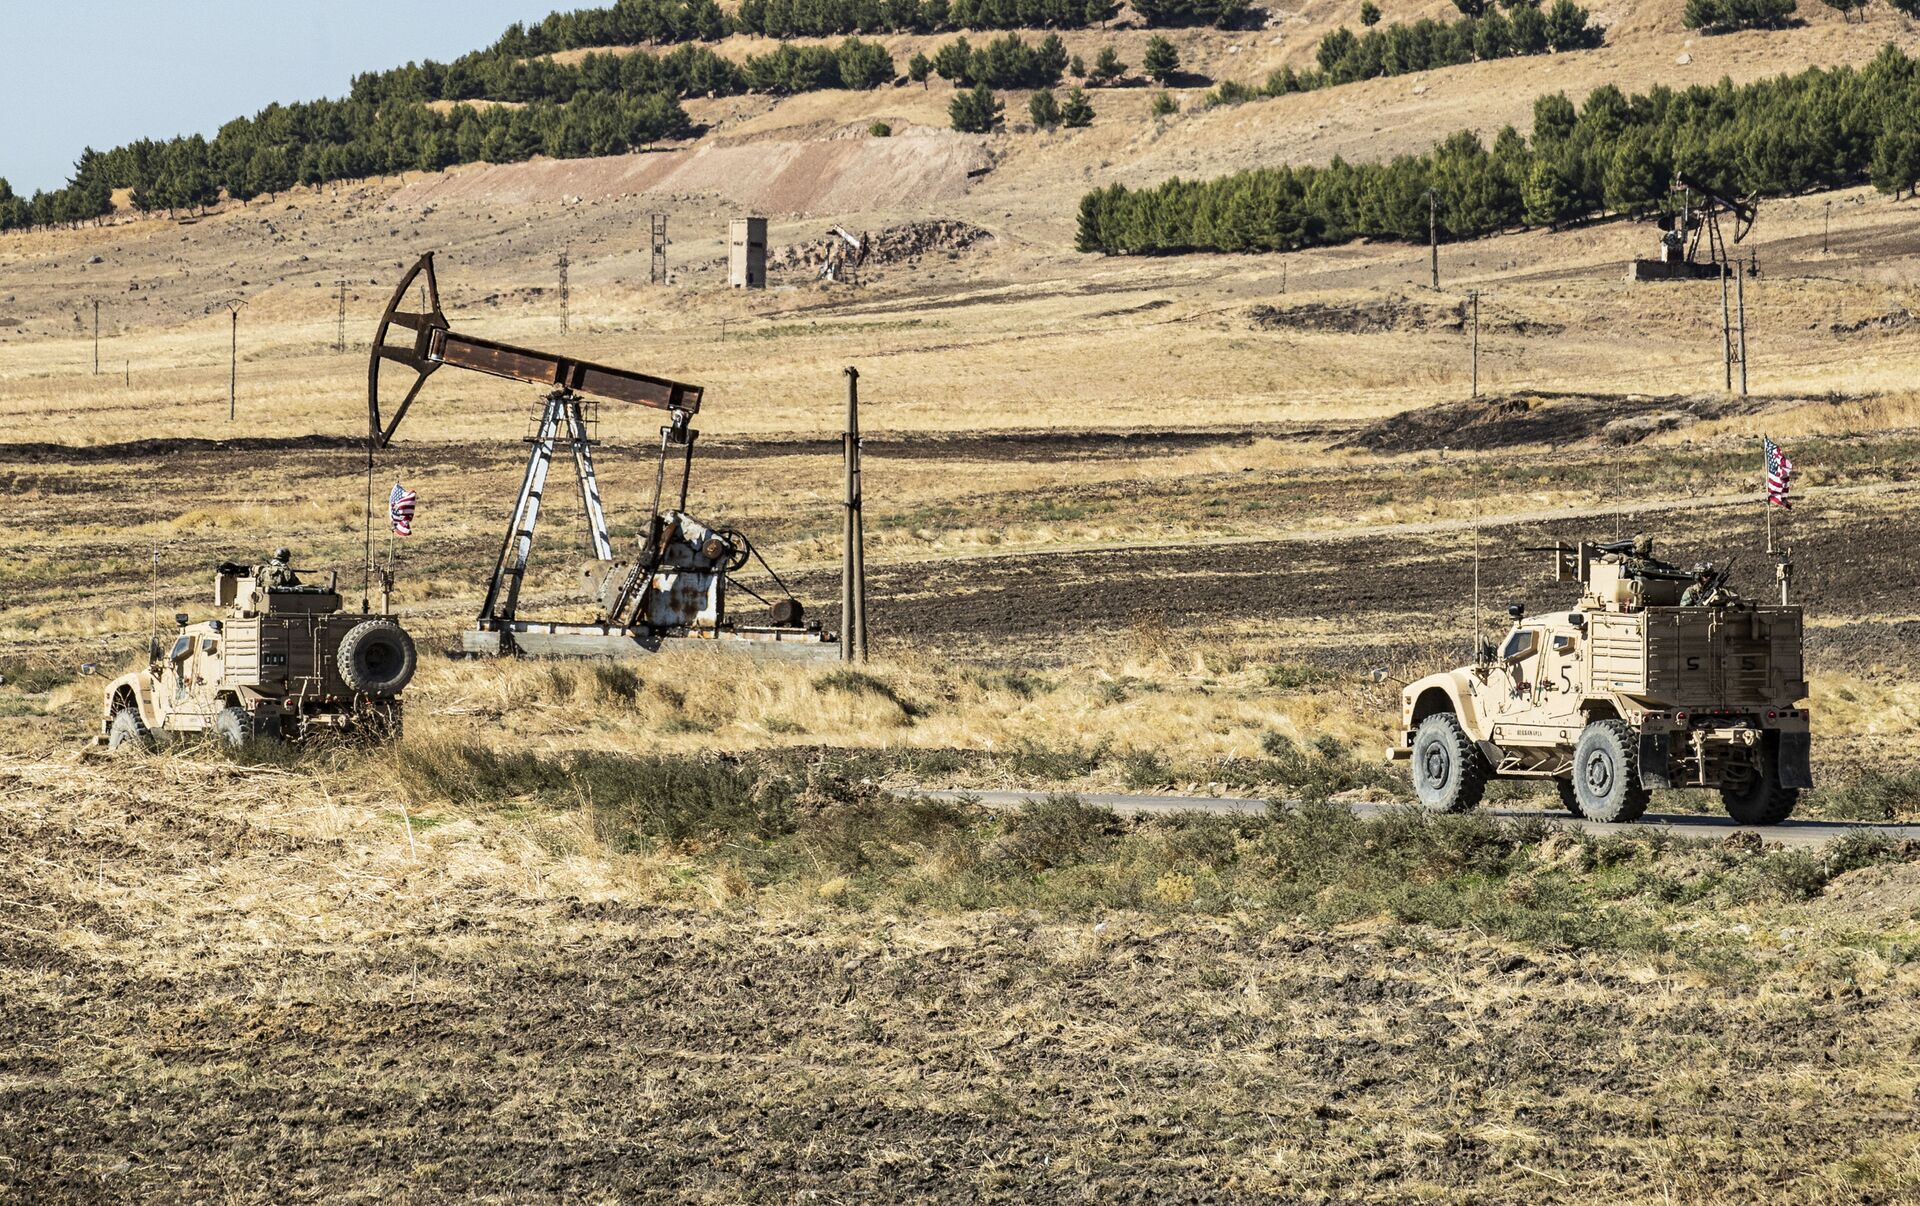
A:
x: 277, y: 574
x: 1705, y: 590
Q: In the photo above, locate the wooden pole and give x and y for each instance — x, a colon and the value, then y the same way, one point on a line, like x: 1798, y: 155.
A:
x: 1433, y: 238
x: 233, y: 362
x: 96, y: 337
x: 854, y: 593
x: 1726, y: 329
x: 847, y: 438
x: 1740, y: 288
x: 1475, y: 296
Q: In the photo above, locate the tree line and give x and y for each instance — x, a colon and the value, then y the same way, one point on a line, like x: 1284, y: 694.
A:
x: 633, y: 22
x: 1524, y: 29
x: 1820, y: 128
x: 317, y: 141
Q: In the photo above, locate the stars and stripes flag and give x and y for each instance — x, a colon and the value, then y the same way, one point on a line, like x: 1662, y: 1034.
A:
x: 1779, y: 474
x: 400, y: 509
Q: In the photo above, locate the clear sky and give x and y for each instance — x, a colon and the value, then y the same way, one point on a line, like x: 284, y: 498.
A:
x: 77, y: 73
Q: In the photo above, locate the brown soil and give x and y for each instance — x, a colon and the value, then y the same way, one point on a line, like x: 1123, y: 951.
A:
x: 1391, y: 313
x: 211, y: 1001
x: 1368, y: 586
x: 1513, y: 420
x: 1875, y: 897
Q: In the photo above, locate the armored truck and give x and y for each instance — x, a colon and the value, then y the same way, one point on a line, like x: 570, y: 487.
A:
x: 1658, y: 677
x: 284, y: 662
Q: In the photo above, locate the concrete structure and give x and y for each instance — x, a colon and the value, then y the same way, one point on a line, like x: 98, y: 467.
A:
x: 747, y: 253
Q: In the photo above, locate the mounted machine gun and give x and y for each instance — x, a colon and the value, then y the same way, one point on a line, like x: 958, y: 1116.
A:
x: 673, y: 588
x: 1682, y: 234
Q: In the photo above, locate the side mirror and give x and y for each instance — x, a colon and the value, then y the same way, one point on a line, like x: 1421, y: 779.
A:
x: 1516, y: 610
x: 1577, y: 619
x: 213, y: 625
x: 180, y: 618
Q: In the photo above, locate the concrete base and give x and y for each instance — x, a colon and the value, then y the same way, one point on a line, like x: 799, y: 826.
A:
x: 532, y: 638
x: 1673, y: 270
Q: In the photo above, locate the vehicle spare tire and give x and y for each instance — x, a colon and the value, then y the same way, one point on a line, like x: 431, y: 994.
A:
x: 377, y: 658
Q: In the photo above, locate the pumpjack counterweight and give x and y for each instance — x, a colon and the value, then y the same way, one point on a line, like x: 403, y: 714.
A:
x: 672, y: 588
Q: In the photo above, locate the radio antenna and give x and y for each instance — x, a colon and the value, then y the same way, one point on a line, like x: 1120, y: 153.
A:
x: 1473, y: 650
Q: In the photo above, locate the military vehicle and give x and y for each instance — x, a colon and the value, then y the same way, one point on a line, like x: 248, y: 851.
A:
x: 283, y: 663
x: 1627, y: 692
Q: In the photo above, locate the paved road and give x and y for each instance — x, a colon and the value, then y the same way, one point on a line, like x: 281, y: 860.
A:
x: 1789, y: 833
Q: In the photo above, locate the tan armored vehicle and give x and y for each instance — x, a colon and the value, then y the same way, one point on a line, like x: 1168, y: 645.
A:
x: 1660, y: 677
x: 284, y: 662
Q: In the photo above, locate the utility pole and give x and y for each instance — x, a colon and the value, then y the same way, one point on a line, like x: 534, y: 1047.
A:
x: 853, y: 574
x: 1433, y: 237
x: 562, y: 265
x: 233, y: 361
x: 96, y: 337
x: 657, y: 268
x: 1473, y: 295
x: 1740, y: 289
x: 340, y: 321
x: 1827, y: 229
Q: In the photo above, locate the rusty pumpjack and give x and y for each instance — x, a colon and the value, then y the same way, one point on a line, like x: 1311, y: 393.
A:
x: 674, y: 589
x: 1682, y: 234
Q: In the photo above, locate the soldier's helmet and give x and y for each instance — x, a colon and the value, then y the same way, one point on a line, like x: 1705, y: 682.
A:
x: 1703, y: 569
x: 283, y: 554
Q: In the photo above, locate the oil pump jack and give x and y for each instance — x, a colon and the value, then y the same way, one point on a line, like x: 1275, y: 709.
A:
x: 674, y: 587
x: 1684, y: 231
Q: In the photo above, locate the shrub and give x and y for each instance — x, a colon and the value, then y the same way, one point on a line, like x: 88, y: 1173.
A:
x: 880, y: 129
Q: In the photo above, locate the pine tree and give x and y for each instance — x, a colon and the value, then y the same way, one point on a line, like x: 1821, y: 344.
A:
x: 919, y: 67
x: 1370, y: 13
x: 1107, y: 67
x: 1077, y: 113
x: 1044, y: 110
x: 1161, y: 60
x: 977, y: 111
x: 953, y: 62
x: 1546, y: 194
x: 1846, y: 8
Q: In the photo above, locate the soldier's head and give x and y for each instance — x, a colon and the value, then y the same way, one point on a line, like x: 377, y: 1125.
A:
x: 283, y: 555
x: 1702, y: 571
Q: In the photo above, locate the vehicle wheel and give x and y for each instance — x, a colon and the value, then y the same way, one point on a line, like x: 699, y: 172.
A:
x: 377, y: 658
x: 233, y: 725
x: 1756, y: 797
x: 1449, y: 775
x: 1569, y: 798
x: 1606, y: 773
x: 128, y: 732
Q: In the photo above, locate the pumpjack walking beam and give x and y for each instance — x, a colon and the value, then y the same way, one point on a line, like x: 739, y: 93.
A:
x: 435, y: 344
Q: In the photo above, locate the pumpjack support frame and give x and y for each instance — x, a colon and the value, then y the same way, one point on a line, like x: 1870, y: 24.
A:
x: 673, y: 589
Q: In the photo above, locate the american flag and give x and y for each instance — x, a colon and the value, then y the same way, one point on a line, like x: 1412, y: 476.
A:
x: 1779, y: 474
x: 400, y: 509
